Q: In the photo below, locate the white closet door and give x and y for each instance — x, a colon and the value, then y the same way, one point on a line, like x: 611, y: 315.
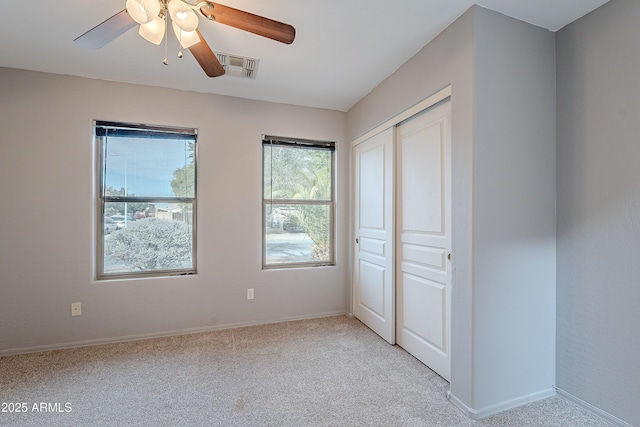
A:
x: 374, y: 293
x: 423, y: 278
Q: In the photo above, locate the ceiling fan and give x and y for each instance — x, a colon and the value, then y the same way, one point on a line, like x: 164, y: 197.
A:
x: 153, y: 17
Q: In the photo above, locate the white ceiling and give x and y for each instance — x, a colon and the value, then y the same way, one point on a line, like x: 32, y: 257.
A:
x: 343, y: 48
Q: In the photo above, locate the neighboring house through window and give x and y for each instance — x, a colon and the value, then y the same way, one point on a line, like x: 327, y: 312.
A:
x: 146, y: 200
x: 298, y: 202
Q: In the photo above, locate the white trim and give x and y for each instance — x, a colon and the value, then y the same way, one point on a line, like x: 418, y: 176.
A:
x: 409, y: 112
x: 592, y: 409
x: 500, y: 407
x: 139, y: 337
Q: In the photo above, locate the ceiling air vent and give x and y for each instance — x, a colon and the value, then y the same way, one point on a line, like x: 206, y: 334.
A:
x: 238, y: 66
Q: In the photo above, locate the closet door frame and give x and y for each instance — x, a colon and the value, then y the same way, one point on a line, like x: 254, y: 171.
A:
x: 391, y: 123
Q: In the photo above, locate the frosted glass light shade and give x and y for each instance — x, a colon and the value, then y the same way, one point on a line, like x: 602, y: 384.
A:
x: 153, y: 31
x: 186, y: 39
x: 183, y: 15
x: 143, y: 11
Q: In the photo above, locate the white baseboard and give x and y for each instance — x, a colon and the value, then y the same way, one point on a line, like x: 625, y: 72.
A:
x: 112, y: 340
x: 477, y: 414
x: 589, y: 407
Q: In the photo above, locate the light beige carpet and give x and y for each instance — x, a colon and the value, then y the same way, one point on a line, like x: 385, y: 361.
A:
x: 321, y: 372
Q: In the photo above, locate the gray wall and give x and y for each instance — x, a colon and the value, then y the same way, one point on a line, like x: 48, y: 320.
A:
x: 514, y: 209
x: 46, y: 221
x: 502, y: 75
x: 598, y: 279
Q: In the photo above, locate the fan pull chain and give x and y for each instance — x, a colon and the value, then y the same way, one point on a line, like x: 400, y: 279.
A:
x: 180, y: 45
x: 166, y: 36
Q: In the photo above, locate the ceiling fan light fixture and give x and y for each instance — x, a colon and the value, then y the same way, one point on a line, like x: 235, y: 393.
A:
x: 143, y: 11
x: 153, y: 31
x: 152, y: 17
x: 186, y: 39
x: 183, y: 15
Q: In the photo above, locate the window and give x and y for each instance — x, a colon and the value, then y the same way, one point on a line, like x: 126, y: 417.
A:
x: 146, y: 200
x: 298, y: 202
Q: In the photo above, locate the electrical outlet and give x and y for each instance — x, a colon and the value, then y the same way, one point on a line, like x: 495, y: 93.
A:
x: 250, y: 293
x: 76, y: 309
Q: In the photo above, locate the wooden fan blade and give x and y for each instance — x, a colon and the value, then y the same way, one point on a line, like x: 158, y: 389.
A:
x: 206, y: 58
x: 107, y: 31
x: 246, y: 21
